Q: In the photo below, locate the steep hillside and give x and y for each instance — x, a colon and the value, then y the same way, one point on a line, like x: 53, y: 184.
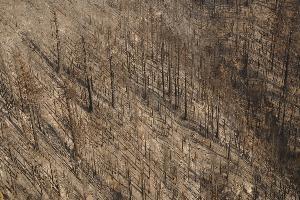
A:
x: 149, y: 99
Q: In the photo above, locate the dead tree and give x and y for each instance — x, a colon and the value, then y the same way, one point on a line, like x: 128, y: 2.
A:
x: 57, y: 38
x: 185, y: 96
x: 162, y: 69
x: 282, y: 137
x: 185, y: 85
x: 170, y: 71
x: 145, y: 77
x: 177, y: 78
x: 112, y: 82
x: 88, y: 76
x: 112, y: 75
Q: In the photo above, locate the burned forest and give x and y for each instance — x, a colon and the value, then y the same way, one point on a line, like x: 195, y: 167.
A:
x: 149, y: 99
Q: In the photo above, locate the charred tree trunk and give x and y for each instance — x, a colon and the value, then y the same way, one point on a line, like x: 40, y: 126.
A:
x: 34, y: 131
x: 112, y: 82
x: 88, y: 78
x: 185, y: 97
x: 89, y: 87
x: 282, y: 137
x: 162, y: 69
x: 170, y: 73
x: 57, y: 43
